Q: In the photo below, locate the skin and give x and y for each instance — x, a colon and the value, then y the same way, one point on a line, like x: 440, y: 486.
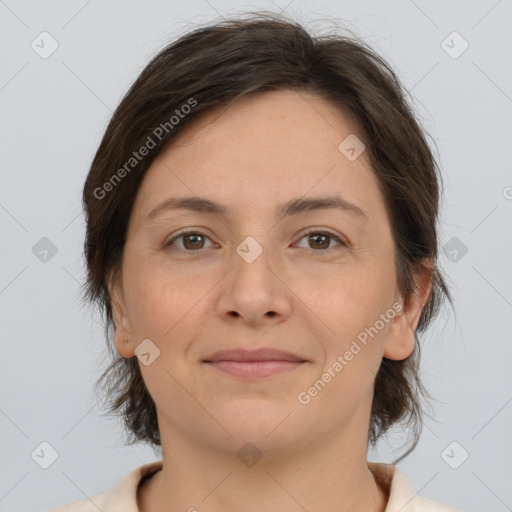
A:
x: 190, y: 302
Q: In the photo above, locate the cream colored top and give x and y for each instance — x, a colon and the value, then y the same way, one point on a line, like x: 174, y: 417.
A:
x: 123, y: 498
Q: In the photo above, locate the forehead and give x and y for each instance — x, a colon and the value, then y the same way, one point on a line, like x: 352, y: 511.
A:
x: 275, y: 117
x: 261, y: 151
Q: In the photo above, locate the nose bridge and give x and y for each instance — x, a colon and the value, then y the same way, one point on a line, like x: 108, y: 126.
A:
x: 254, y: 287
x: 254, y: 258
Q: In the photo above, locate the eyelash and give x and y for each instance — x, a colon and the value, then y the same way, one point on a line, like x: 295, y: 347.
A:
x: 315, y: 231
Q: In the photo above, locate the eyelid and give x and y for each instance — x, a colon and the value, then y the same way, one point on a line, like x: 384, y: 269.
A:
x: 188, y: 231
x: 322, y: 231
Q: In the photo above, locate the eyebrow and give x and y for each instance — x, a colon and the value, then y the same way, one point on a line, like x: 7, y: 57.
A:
x: 290, y: 208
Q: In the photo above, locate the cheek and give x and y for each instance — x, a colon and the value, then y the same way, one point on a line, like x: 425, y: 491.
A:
x: 161, y: 300
x: 351, y: 304
x: 350, y: 300
x: 352, y: 355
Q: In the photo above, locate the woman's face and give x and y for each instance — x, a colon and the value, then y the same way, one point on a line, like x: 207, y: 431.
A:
x: 253, y: 278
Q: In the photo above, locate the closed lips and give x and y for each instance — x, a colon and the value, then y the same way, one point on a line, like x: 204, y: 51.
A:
x: 253, y: 356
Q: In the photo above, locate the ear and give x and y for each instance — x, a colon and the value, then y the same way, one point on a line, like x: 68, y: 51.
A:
x: 121, y: 319
x: 400, y: 344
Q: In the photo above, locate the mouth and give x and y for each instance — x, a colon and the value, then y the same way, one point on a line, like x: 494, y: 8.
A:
x: 254, y: 364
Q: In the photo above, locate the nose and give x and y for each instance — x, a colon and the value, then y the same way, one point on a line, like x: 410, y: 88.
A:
x: 255, y: 289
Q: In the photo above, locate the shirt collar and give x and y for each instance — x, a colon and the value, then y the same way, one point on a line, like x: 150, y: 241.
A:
x: 402, y: 495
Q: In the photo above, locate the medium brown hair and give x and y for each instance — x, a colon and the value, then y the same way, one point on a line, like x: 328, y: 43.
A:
x: 213, y: 66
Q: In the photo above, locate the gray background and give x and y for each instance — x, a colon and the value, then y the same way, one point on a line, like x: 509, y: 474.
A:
x: 53, y: 114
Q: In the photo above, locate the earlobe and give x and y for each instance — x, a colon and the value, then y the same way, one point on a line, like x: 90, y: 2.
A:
x: 400, y: 344
x: 401, y: 339
x: 121, y: 321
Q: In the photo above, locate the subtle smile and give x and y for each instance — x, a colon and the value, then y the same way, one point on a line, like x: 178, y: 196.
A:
x: 255, y: 364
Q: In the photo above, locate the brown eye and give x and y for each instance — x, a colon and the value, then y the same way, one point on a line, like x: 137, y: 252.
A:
x: 320, y: 240
x: 191, y: 241
x: 194, y: 241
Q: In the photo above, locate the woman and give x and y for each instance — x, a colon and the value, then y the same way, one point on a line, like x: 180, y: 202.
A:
x: 261, y: 234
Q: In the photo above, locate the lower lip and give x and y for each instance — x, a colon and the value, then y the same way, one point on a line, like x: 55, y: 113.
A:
x: 255, y: 369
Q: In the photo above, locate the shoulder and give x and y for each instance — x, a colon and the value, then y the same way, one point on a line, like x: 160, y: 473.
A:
x: 402, y: 495
x: 122, y: 497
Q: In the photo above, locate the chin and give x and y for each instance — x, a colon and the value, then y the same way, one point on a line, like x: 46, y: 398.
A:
x: 269, y: 426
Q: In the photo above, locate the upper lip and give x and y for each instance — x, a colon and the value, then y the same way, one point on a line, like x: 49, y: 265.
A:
x: 261, y: 354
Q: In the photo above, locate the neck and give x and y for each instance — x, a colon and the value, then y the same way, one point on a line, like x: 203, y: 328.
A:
x: 332, y: 477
